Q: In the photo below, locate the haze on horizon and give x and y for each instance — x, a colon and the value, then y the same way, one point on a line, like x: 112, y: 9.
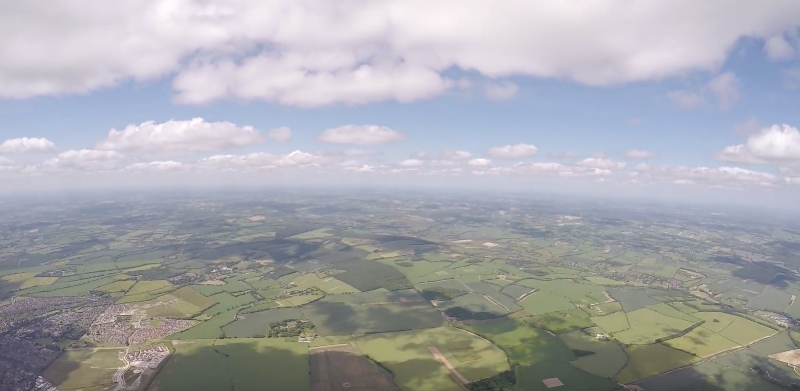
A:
x: 668, y: 100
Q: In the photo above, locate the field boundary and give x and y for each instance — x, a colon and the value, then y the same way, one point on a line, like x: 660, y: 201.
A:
x: 438, y: 356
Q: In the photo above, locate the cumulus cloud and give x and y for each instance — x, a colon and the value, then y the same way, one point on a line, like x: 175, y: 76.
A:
x: 27, y: 145
x: 261, y: 161
x: 778, y: 49
x: 479, y: 162
x: 280, y: 135
x: 776, y: 144
x: 724, y: 88
x: 409, y: 163
x: 500, y: 91
x: 157, y: 166
x: 360, y: 52
x: 84, y: 160
x: 180, y: 137
x: 360, y: 135
x: 455, y: 155
x: 603, y: 164
x: 637, y: 154
x: 726, y: 176
x: 517, y: 151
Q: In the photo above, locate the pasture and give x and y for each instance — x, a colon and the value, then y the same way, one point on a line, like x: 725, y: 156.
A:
x: 701, y: 342
x: 211, y: 328
x: 84, y: 369
x: 226, y: 301
x: 647, y: 325
x: 770, y: 299
x: 600, y: 358
x: 340, y: 318
x: 301, y: 299
x: 340, y: 368
x: 542, y: 302
x: 241, y: 364
x: 613, y: 323
x: 406, y: 355
x: 522, y: 343
x: 494, y: 292
x: 745, y: 332
x: 148, y: 286
x: 600, y: 280
x: 532, y: 377
x: 632, y: 299
x: 473, y: 357
x: 471, y: 306
x: 562, y: 321
x: 117, y: 286
x: 325, y: 283
x: 641, y: 364
x: 257, y: 324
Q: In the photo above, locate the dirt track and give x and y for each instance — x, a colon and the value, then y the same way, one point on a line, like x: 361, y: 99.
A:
x: 441, y: 358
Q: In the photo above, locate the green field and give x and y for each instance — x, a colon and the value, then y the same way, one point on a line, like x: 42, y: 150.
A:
x: 601, y: 358
x: 745, y: 332
x: 339, y: 318
x: 240, y: 364
x: 600, y: 280
x: 211, y: 328
x: 84, y: 369
x: 647, y: 325
x: 148, y: 286
x: 300, y: 299
x: 257, y: 324
x: 326, y: 283
x: 117, y: 286
x: 471, y: 306
x: 641, y: 364
x: 613, y: 323
x: 473, y: 357
x: 669, y: 310
x: 530, y: 377
x: 543, y: 302
x: 562, y: 321
x: 407, y: 356
x: 226, y: 302
x: 701, y: 342
x: 522, y: 343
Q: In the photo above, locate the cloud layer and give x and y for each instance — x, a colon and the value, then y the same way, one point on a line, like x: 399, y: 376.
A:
x: 27, y: 145
x: 367, y: 51
x: 360, y: 135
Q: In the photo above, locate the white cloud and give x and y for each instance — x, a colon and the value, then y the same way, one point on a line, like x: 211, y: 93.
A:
x: 776, y: 144
x: 158, y: 166
x: 517, y: 151
x: 280, y: 135
x: 721, y: 176
x: 778, y: 49
x: 479, y: 162
x: 261, y: 161
x: 500, y: 91
x: 724, y: 88
x: 180, y: 137
x: 409, y: 163
x: 642, y: 167
x: 455, y: 155
x: 27, y: 145
x: 359, y: 52
x: 354, y: 152
x: 603, y: 164
x: 360, y: 135
x: 83, y: 160
x: 636, y: 154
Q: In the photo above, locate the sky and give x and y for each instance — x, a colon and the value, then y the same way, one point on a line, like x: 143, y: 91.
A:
x: 670, y: 98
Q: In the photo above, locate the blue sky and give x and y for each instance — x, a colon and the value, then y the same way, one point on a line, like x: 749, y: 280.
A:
x: 682, y: 86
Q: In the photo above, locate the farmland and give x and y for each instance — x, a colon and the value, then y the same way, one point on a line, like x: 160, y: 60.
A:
x: 291, y: 293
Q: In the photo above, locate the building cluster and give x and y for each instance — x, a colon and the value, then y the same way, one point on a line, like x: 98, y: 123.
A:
x: 780, y: 319
x: 41, y: 384
x: 123, y: 324
x: 23, y: 311
x: 70, y: 323
x: 26, y: 352
x: 14, y: 378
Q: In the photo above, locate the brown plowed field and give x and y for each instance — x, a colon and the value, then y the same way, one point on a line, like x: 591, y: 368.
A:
x: 338, y: 368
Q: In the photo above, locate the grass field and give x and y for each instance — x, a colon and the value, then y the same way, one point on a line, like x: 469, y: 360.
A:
x: 325, y: 283
x: 575, y: 291
x: 193, y: 297
x: 251, y: 325
x: 641, y: 364
x: 522, y: 343
x: 647, y: 325
x: 543, y: 302
x: 471, y: 306
x: 701, y: 342
x: 340, y: 368
x: 672, y: 312
x: 744, y: 332
x: 770, y: 299
x: 84, y: 369
x: 606, y: 359
x: 117, y: 286
x: 240, y: 364
x: 339, y: 318
x: 226, y: 301
x: 613, y: 323
x: 148, y: 286
x: 632, y: 299
x: 603, y: 308
x: 211, y: 328
x: 301, y: 299
x: 473, y: 357
x: 494, y: 292
x: 408, y: 358
x: 530, y: 377
x: 600, y: 280
x: 515, y: 291
x: 562, y: 321
x: 715, y: 321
